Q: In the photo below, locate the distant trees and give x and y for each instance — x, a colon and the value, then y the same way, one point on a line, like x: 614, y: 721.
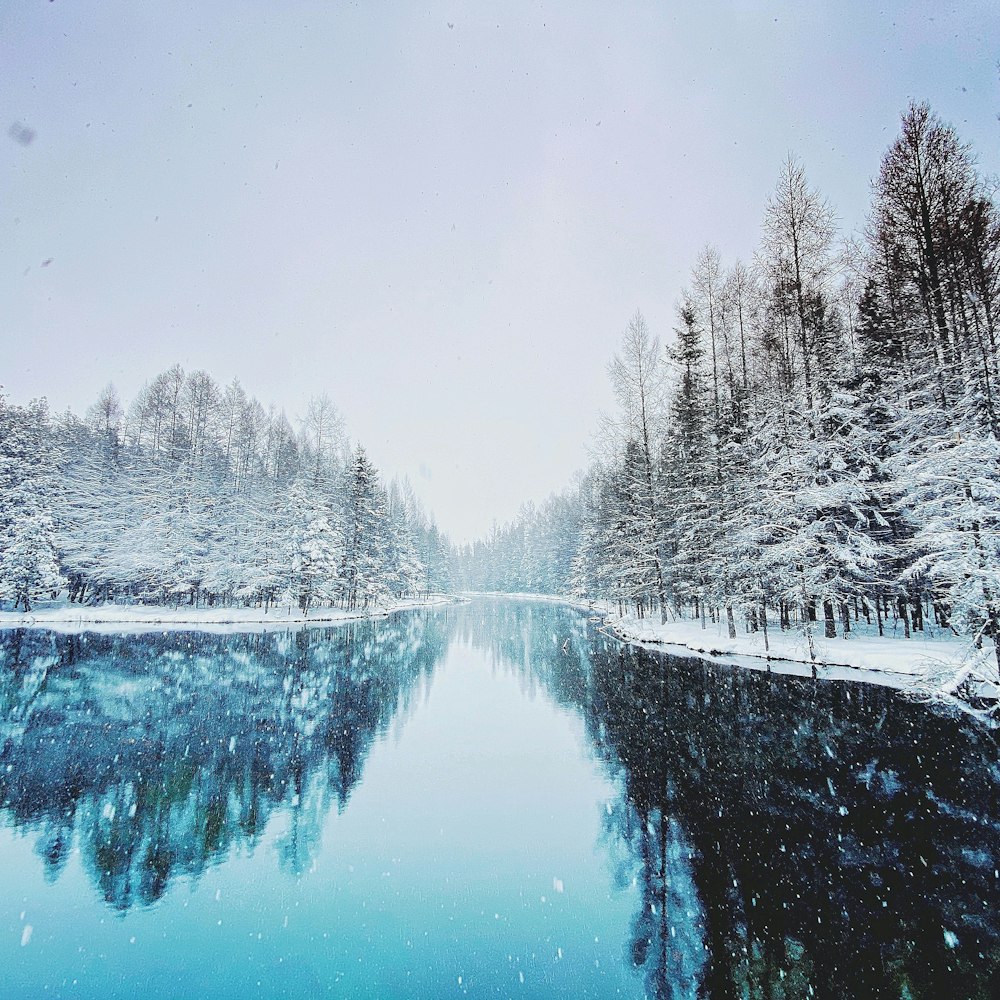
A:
x: 820, y: 441
x: 541, y: 552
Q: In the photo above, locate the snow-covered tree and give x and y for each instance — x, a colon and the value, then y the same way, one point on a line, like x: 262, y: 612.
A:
x: 28, y: 567
x: 639, y: 380
x: 200, y: 495
x: 797, y: 257
x: 28, y: 562
x: 366, y: 535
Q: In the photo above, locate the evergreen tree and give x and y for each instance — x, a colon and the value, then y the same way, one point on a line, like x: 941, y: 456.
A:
x: 689, y: 478
x: 366, y: 532
x: 28, y: 564
x: 403, y: 566
x: 28, y: 568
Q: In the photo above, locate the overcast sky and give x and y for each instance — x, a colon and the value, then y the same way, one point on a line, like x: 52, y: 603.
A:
x: 440, y: 214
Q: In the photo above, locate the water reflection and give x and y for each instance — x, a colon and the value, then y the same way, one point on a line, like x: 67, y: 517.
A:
x: 790, y: 837
x: 785, y: 838
x: 796, y: 838
x: 160, y: 754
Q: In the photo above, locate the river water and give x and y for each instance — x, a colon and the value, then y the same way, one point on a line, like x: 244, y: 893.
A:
x: 488, y: 800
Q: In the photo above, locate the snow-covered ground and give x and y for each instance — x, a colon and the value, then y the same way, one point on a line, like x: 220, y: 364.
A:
x: 65, y: 617
x: 523, y: 596
x: 930, y: 660
x: 936, y: 663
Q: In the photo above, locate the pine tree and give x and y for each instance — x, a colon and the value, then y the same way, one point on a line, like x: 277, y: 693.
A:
x: 689, y: 478
x: 28, y: 568
x: 366, y: 532
x: 601, y: 555
x: 312, y: 548
x: 404, y: 570
x: 28, y: 563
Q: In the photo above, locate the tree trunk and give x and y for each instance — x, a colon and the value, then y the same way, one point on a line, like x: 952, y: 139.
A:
x: 830, y: 622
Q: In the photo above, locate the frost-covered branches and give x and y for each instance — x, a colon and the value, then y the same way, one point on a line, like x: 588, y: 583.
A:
x: 821, y: 438
x: 200, y: 495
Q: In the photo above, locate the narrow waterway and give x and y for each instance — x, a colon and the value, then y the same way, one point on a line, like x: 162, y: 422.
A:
x: 486, y: 800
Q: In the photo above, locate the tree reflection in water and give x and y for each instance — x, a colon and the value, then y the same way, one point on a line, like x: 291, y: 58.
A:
x: 787, y: 838
x: 799, y: 838
x: 163, y: 753
x: 790, y: 837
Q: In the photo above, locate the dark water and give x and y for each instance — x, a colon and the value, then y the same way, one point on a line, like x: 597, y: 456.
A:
x: 491, y: 800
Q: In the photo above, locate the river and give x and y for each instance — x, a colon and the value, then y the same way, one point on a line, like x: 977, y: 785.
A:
x: 492, y: 799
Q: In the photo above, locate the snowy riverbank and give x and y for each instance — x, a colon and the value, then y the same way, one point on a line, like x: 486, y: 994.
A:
x: 65, y: 617
x: 938, y: 665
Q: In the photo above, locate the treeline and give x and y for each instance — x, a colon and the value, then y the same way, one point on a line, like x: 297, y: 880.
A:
x: 819, y: 440
x: 195, y: 493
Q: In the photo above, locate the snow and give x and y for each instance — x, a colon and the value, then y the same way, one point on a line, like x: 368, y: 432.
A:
x: 885, y: 654
x: 933, y: 664
x: 517, y: 596
x: 65, y: 617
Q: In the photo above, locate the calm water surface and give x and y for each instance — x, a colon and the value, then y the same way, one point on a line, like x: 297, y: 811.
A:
x: 489, y: 800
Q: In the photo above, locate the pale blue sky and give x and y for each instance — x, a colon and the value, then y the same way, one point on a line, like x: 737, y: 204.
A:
x: 443, y: 215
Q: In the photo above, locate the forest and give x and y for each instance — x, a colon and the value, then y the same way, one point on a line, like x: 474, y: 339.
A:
x: 817, y: 441
x: 196, y: 494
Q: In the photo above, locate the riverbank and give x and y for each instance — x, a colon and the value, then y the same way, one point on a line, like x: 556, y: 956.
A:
x: 62, y: 616
x: 936, y: 665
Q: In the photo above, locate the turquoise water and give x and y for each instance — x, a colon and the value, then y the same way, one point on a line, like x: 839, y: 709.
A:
x: 489, y: 800
x: 377, y: 811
